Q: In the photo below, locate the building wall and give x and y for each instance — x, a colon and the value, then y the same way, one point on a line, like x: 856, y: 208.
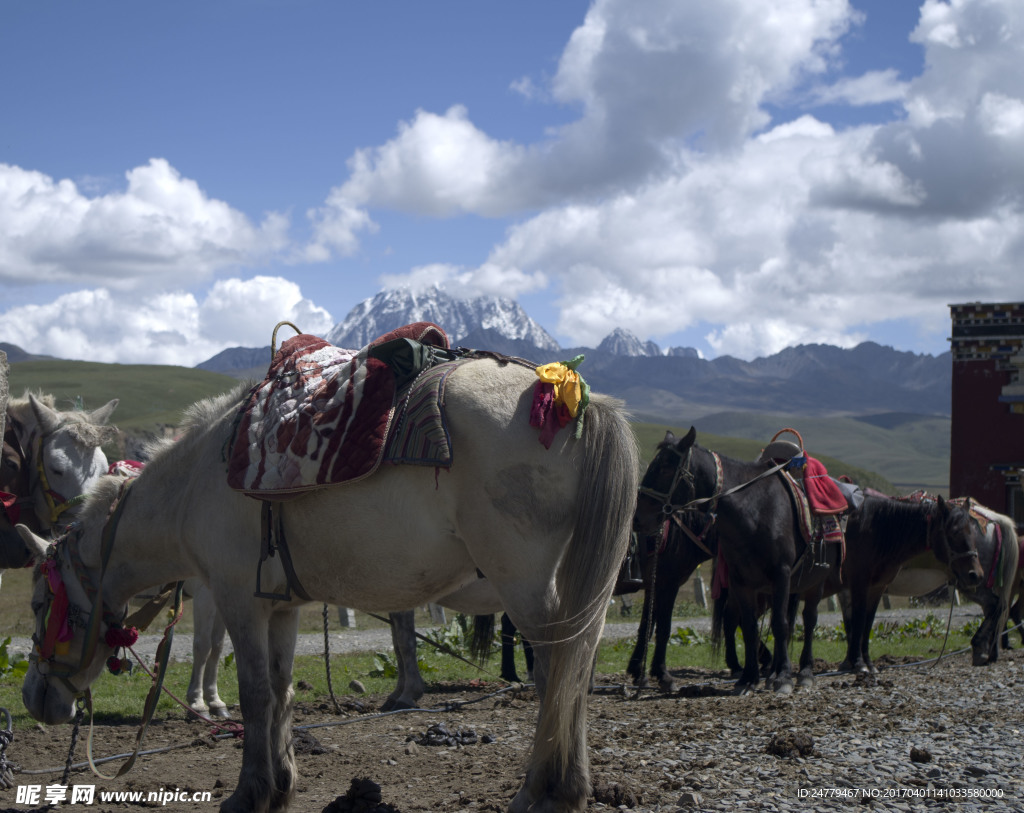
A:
x: 987, y: 427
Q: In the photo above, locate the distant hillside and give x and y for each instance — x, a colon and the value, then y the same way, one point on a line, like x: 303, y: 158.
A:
x: 16, y: 355
x: 649, y: 435
x: 150, y: 395
x: 240, y: 362
x: 910, y: 451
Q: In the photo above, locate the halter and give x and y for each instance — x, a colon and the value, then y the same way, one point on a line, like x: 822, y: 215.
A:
x: 682, y: 472
x: 55, y: 502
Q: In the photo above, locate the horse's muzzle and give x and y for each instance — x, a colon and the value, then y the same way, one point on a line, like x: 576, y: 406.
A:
x: 970, y: 581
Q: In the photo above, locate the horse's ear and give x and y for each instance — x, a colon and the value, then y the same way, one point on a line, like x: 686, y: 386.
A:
x: 36, y: 545
x: 689, y: 440
x: 102, y: 415
x: 47, y: 418
x: 670, y: 438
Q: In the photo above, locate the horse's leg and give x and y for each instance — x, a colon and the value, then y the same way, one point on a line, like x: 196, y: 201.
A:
x: 410, y: 686
x: 854, y: 602
x: 812, y: 598
x: 528, y: 654
x: 249, y: 625
x: 730, y: 621
x: 746, y: 605
x: 508, y: 650
x: 664, y: 601
x: 781, y: 667
x: 985, y: 642
x: 874, y: 597
x: 283, y: 630
x: 202, y: 634
x: 207, y: 645
x: 635, y: 669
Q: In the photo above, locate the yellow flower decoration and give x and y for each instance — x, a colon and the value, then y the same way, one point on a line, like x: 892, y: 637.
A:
x: 569, y: 387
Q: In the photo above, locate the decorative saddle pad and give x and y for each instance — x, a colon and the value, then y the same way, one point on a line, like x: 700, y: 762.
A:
x: 811, y: 522
x: 323, y: 414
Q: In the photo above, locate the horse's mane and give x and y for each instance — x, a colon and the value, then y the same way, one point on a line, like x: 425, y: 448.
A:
x: 899, y: 519
x: 197, y: 421
x: 78, y: 424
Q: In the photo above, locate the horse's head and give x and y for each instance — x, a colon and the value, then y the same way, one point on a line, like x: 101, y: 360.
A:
x: 951, y: 533
x: 667, y: 484
x: 72, y: 628
x: 62, y: 452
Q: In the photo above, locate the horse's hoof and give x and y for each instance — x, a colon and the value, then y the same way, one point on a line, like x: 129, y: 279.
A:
x: 668, y: 685
x: 805, y: 680
x: 743, y: 689
x: 784, y: 687
x: 220, y: 712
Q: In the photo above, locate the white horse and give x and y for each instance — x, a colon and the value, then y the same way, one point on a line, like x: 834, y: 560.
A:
x: 548, y: 527
x: 49, y: 458
x: 62, y: 450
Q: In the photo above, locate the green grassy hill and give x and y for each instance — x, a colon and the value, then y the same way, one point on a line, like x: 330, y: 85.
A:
x: 912, y: 451
x: 150, y: 394
x: 649, y: 435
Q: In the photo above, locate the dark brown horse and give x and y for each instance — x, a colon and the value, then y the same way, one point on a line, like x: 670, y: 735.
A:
x: 760, y: 542
x: 883, y: 535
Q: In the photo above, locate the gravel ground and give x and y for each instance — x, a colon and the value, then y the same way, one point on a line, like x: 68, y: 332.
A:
x: 916, y: 737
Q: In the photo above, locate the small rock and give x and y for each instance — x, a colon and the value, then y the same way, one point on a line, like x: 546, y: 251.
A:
x: 689, y: 799
x: 357, y: 686
x: 304, y: 686
x: 614, y: 794
x: 363, y: 796
x: 919, y: 755
x: 790, y: 744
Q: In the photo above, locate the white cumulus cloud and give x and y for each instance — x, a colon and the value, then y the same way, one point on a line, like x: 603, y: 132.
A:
x: 162, y: 328
x: 161, y: 229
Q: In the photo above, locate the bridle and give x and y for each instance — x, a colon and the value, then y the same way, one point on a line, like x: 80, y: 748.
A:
x: 62, y: 616
x: 56, y: 503
x: 951, y: 556
x: 120, y: 629
x: 60, y: 612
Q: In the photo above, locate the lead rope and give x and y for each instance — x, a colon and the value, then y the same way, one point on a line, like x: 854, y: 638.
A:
x: 79, y: 713
x: 949, y: 622
x: 327, y: 664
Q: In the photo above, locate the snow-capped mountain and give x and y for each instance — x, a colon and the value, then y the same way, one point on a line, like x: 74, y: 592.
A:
x: 621, y: 342
x: 459, y: 317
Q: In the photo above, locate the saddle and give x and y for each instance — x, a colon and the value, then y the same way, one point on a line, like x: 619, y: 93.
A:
x: 820, y: 504
x: 324, y: 415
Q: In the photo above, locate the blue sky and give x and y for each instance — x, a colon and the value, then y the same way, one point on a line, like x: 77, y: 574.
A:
x: 737, y: 176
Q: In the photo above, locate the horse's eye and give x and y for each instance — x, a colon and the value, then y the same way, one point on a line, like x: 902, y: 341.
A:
x: 58, y: 472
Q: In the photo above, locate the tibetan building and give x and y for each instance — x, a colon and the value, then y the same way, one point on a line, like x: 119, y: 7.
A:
x: 987, y: 435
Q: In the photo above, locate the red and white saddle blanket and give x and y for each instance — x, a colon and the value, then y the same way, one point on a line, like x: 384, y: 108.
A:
x: 321, y: 417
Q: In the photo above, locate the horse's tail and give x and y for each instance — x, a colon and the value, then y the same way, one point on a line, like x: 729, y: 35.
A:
x: 481, y: 641
x: 609, y: 478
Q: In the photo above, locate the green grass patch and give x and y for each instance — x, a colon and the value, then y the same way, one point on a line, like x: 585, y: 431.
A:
x: 118, y: 699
